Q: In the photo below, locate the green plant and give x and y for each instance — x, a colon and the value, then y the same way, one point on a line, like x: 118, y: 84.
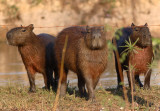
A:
x: 130, y: 47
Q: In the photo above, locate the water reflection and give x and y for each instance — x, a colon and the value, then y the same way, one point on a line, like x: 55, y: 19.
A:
x: 12, y: 70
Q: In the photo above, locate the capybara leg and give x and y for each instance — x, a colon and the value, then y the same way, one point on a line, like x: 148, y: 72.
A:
x: 118, y: 76
x: 56, y: 77
x: 32, y: 82
x: 95, y: 82
x: 46, y: 82
x: 50, y: 80
x: 89, y: 84
x: 81, y: 85
x: 147, y: 79
x: 63, y: 84
x: 138, y: 81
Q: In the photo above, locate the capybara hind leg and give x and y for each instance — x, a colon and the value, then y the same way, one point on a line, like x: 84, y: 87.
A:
x: 89, y: 84
x: 81, y: 85
x: 32, y: 82
x: 46, y: 82
x: 63, y: 84
x: 138, y: 81
x: 51, y: 79
x: 56, y: 77
x: 147, y: 79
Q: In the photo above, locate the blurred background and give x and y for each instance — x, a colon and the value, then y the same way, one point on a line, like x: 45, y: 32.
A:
x: 48, y: 15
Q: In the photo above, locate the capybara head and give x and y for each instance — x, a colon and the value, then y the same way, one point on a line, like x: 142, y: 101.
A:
x: 20, y: 35
x: 142, y: 33
x: 95, y: 37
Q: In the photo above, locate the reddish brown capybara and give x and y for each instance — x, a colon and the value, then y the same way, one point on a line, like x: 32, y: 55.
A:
x: 37, y: 52
x: 140, y: 58
x: 86, y: 55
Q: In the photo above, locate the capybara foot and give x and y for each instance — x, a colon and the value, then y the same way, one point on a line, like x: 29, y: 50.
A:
x: 54, y: 89
x: 92, y: 97
x: 140, y: 85
x: 83, y: 95
x: 45, y: 88
x: 55, y: 86
x: 93, y: 100
x: 62, y: 93
x: 32, y: 90
x: 146, y: 87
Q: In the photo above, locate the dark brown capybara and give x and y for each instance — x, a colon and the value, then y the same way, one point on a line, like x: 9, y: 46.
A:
x: 140, y: 58
x: 37, y: 52
x: 86, y: 55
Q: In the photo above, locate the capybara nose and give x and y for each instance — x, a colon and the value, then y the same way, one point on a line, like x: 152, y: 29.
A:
x: 97, y: 36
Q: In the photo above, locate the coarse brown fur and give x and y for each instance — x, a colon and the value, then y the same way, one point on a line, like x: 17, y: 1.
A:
x: 86, y: 55
x: 37, y: 52
x: 140, y: 58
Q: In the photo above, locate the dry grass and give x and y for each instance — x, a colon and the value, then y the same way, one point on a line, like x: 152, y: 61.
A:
x: 16, y: 98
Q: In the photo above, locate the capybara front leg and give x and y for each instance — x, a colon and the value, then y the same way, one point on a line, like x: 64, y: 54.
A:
x: 31, y: 78
x: 81, y: 85
x: 89, y: 84
x: 95, y: 82
x: 147, y: 79
x: 138, y: 81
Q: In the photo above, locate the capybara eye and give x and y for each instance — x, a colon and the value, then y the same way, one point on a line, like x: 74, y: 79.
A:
x: 23, y: 30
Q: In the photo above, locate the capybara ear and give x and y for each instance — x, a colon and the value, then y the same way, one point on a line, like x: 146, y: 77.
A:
x: 31, y: 27
x: 88, y: 29
x: 146, y: 24
x: 132, y: 25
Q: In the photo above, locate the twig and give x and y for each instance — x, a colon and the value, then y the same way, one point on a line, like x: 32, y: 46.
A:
x: 131, y: 80
x: 121, y: 74
x: 61, y: 75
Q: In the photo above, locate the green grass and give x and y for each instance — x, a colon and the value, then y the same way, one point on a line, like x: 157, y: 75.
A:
x: 16, y: 97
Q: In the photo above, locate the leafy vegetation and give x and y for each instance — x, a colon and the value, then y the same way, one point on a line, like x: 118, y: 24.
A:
x: 16, y: 97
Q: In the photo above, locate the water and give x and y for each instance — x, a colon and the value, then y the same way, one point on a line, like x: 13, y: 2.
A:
x: 12, y: 70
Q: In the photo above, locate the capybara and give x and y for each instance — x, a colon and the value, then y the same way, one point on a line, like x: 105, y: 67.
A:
x: 139, y: 58
x: 86, y: 55
x: 37, y: 52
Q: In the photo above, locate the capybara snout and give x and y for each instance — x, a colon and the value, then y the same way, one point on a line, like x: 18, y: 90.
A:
x: 95, y: 38
x: 19, y: 36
